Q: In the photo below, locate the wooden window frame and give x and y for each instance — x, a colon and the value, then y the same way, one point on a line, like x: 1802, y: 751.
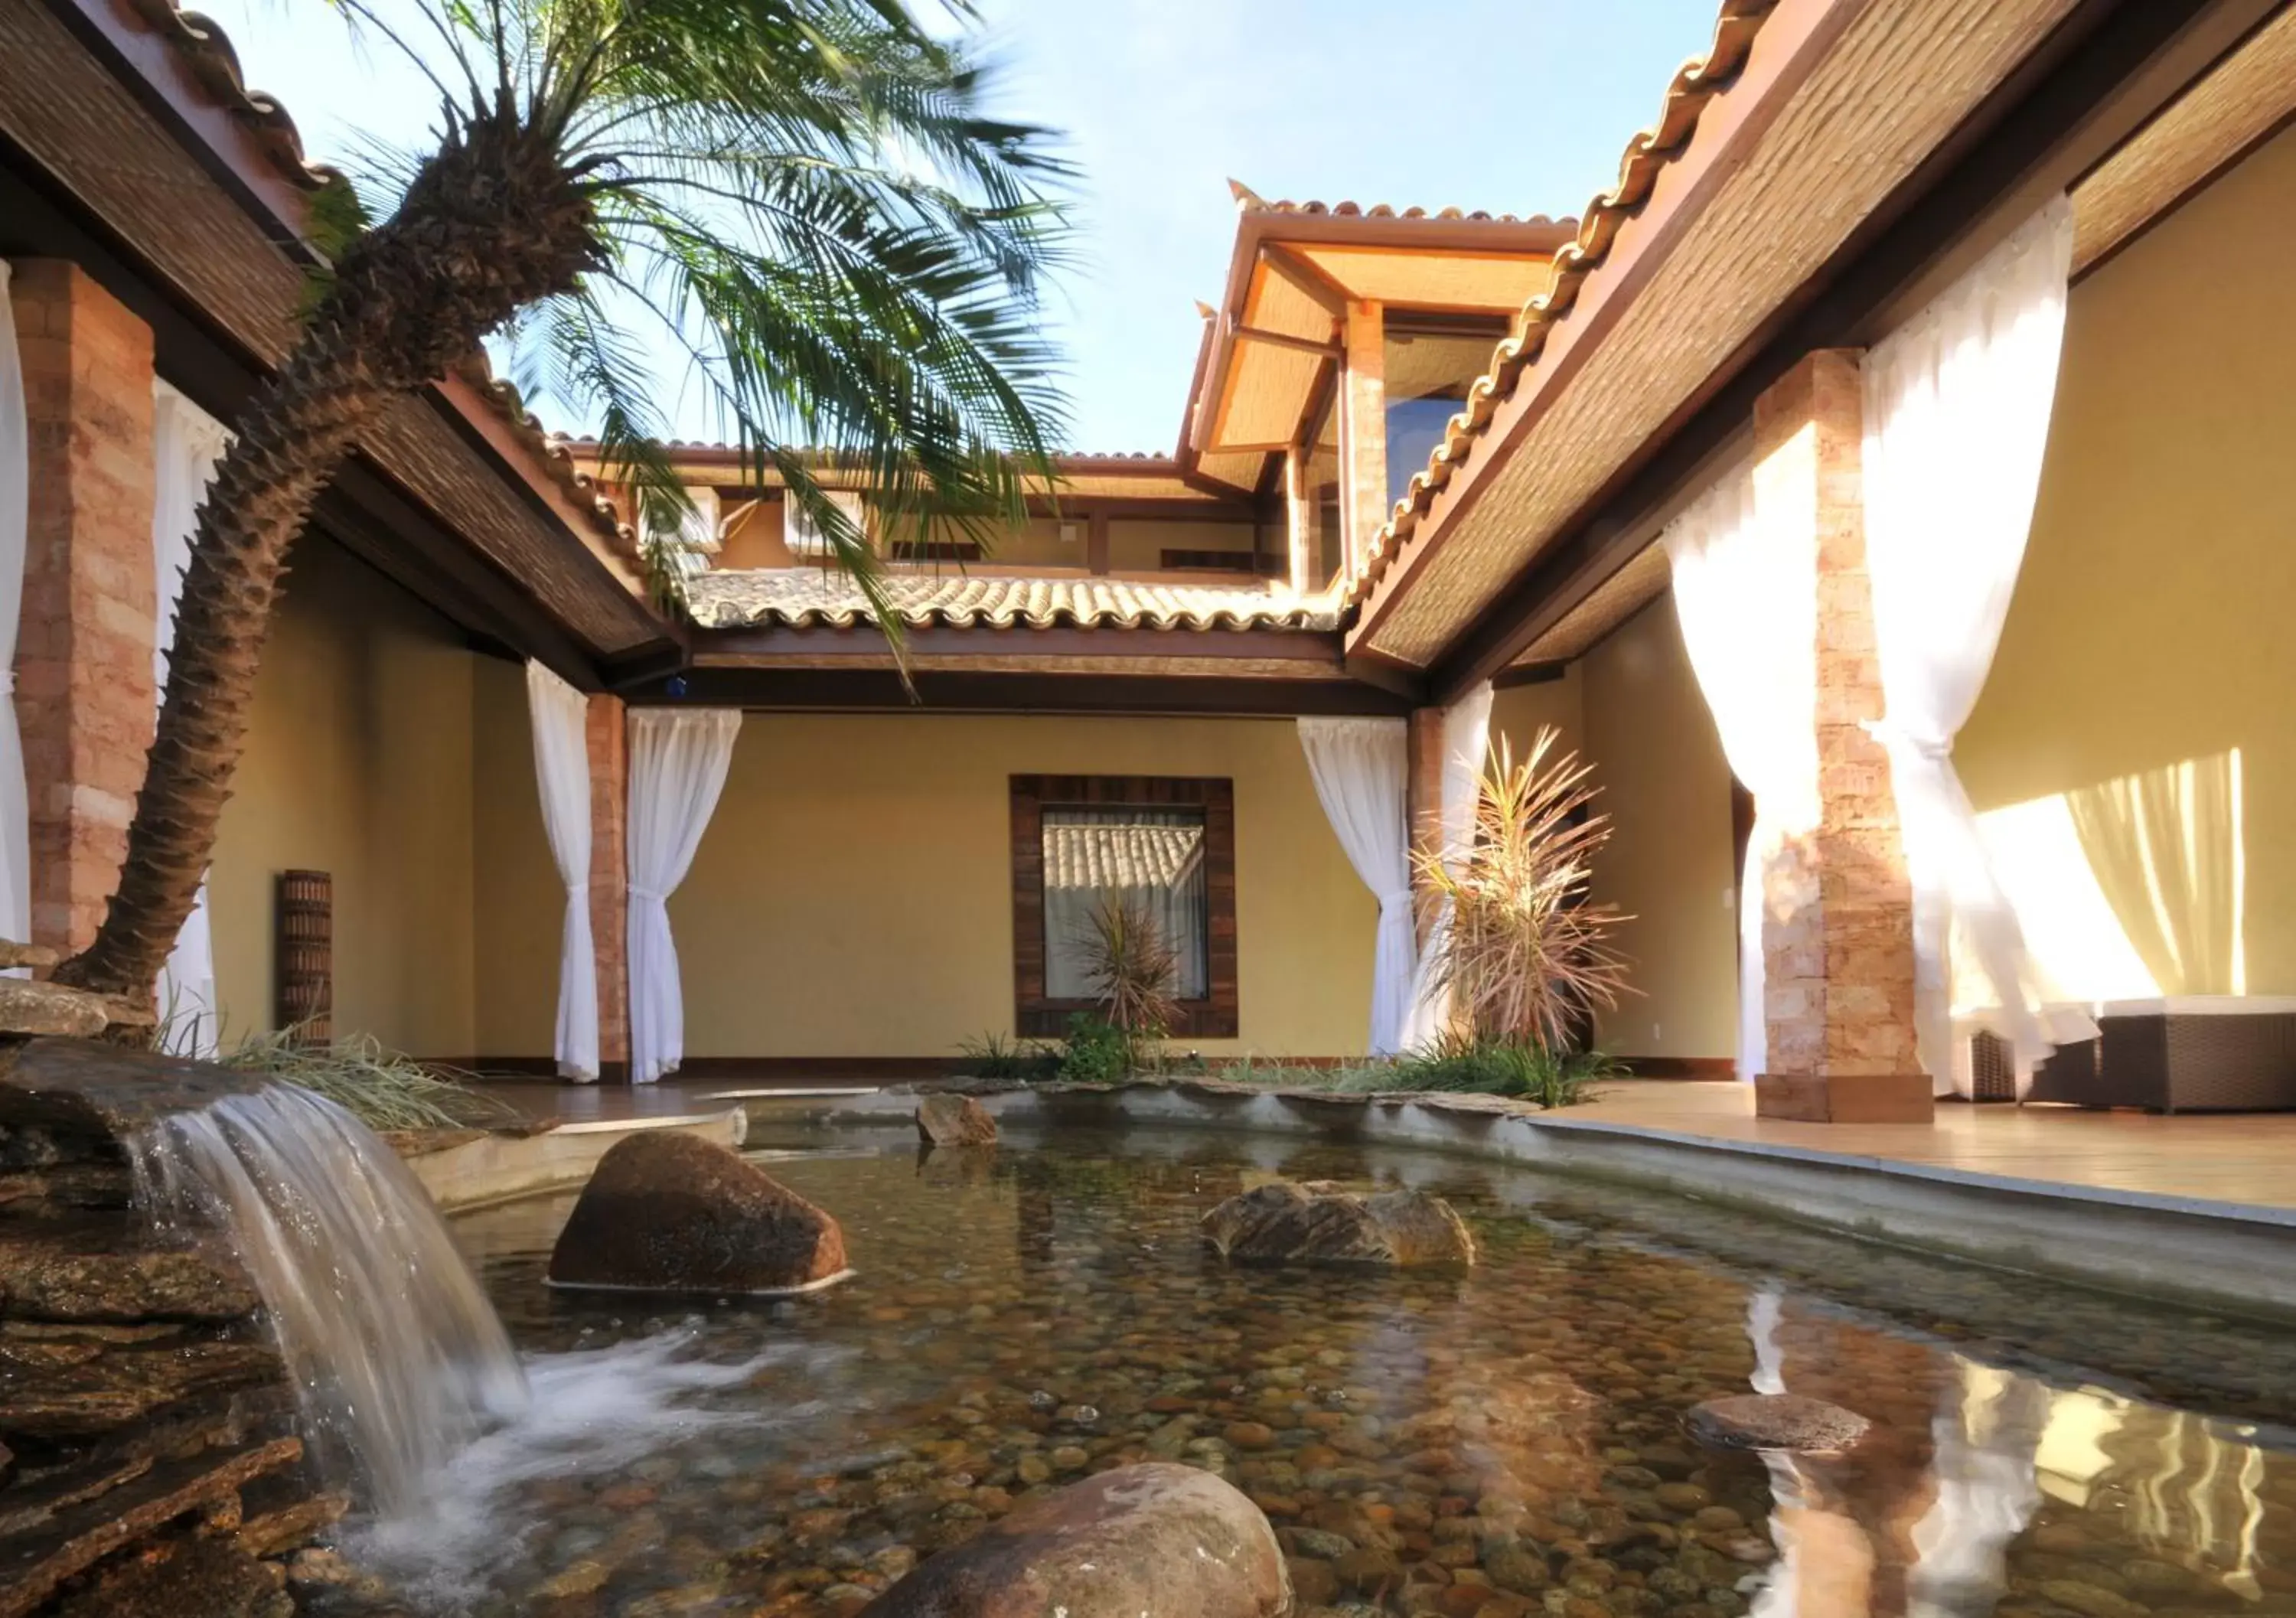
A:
x: 1216, y: 1017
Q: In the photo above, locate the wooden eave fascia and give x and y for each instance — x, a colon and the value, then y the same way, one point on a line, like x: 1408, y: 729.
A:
x: 480, y: 420
x: 155, y: 69
x: 884, y: 689
x: 778, y: 645
x: 1793, y: 39
x: 2107, y: 70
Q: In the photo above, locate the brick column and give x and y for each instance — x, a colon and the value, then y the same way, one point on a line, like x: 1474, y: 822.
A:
x: 609, y: 897
x: 1838, y: 943
x: 1423, y: 801
x: 84, y: 688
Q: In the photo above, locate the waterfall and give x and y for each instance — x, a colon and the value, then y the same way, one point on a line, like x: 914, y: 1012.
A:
x: 395, y: 1355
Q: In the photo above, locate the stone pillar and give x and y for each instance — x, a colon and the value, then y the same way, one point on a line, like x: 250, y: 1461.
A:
x: 1363, y: 428
x: 85, y: 697
x: 610, y: 898
x: 1838, y: 943
x: 1300, y: 519
x: 1424, y: 802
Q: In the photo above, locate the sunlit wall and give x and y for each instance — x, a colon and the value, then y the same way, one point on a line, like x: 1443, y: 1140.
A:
x: 2134, y: 754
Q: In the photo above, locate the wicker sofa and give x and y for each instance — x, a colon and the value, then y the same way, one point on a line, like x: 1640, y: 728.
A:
x: 2201, y: 1053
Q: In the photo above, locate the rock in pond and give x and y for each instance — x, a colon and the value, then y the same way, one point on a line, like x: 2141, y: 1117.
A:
x: 76, y: 1091
x: 1316, y: 1223
x: 1775, y: 1421
x: 954, y: 1120
x: 1153, y: 1538
x: 668, y: 1211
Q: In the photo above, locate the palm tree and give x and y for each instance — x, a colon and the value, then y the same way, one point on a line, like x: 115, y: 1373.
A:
x: 802, y: 202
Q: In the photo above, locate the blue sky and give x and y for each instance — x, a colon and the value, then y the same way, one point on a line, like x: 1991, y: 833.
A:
x: 1516, y: 106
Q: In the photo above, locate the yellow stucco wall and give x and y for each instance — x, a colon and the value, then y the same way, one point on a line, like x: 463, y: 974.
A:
x: 2133, y: 753
x: 1631, y: 708
x: 358, y: 763
x: 518, y: 900
x: 853, y: 895
x: 1520, y: 712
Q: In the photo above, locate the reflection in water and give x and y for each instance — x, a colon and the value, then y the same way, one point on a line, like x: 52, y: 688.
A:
x: 1023, y: 1319
x: 1988, y: 1427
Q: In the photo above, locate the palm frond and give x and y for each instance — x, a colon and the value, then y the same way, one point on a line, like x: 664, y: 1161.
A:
x: 806, y: 211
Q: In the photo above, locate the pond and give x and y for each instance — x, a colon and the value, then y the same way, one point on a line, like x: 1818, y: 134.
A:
x: 1497, y: 1441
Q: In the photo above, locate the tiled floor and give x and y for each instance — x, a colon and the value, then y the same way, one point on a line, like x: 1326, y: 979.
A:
x: 2233, y: 1157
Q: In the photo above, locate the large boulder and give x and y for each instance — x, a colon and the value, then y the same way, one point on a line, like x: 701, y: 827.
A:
x: 668, y: 1212
x: 1316, y: 1223
x: 1775, y: 1421
x: 1148, y: 1538
x: 954, y: 1120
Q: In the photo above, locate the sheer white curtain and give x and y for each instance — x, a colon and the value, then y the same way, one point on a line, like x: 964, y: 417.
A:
x: 1360, y: 766
x: 1957, y: 404
x: 560, y: 718
x: 1466, y: 740
x: 678, y: 761
x: 15, y: 516
x: 1746, y: 597
x: 187, y: 443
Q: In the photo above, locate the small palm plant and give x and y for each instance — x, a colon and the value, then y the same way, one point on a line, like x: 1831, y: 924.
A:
x: 1526, y: 954
x: 806, y: 205
x: 1131, y: 967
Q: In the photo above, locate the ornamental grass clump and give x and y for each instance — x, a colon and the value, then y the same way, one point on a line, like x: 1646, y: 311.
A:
x: 381, y: 1087
x: 1460, y: 1062
x: 1131, y: 967
x: 1522, y: 949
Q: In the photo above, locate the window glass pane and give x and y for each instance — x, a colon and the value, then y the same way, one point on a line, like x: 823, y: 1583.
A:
x: 1150, y: 858
x: 1414, y: 427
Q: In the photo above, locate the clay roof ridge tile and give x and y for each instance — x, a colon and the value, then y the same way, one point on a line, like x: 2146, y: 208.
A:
x: 214, y: 62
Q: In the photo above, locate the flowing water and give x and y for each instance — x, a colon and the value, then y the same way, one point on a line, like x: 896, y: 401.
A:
x: 399, y: 1359
x: 1492, y: 1443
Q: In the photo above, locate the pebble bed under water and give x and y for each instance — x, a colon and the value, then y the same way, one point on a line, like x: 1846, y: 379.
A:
x: 1487, y: 1444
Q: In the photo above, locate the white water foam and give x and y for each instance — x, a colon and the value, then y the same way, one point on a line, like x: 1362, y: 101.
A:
x: 398, y: 1358
x: 594, y: 1412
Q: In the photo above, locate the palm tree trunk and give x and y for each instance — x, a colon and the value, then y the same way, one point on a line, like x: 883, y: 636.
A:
x: 493, y: 222
x: 263, y: 492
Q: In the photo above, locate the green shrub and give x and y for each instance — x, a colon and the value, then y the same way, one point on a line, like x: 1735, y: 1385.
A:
x: 1463, y: 1065
x: 379, y: 1086
x: 1097, y: 1052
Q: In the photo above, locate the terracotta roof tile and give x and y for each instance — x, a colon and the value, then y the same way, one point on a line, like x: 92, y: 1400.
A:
x: 1104, y: 856
x: 816, y: 597
x: 1695, y: 84
x: 550, y: 451
x: 207, y: 51
x: 1249, y: 200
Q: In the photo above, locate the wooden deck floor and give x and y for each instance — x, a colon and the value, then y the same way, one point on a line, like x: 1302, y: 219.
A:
x: 2245, y: 1158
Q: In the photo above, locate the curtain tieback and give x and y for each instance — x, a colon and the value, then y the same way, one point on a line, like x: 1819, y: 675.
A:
x: 1899, y: 739
x: 1389, y: 901
x: 8, y: 682
x: 655, y: 894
